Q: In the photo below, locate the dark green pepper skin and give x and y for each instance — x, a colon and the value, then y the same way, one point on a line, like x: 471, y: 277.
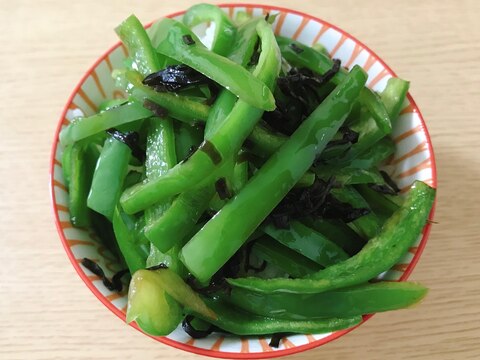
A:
x: 127, y: 238
x: 79, y: 168
x: 398, y: 234
x: 110, y: 173
x: 239, y: 322
x: 358, y: 300
x: 308, y: 242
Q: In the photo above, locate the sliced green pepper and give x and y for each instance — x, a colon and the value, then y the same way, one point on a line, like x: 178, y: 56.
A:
x: 378, y: 255
x: 108, y: 178
x: 394, y: 96
x: 82, y: 164
x: 358, y: 300
x: 176, y: 106
x: 175, y: 223
x: 320, y: 63
x: 367, y: 225
x: 125, y: 233
x: 239, y: 322
x: 378, y: 202
x: 204, y: 165
x: 281, y: 256
x: 81, y: 128
x: 149, y: 304
x: 218, y: 68
x: 307, y: 242
x: 225, y: 31
x: 224, y: 234
x: 337, y: 231
x: 135, y: 38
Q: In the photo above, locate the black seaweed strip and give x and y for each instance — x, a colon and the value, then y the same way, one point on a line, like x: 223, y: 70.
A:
x: 188, y: 40
x: 390, y: 181
x: 158, y: 267
x: 156, y: 109
x: 131, y: 139
x: 114, y: 285
x: 208, y: 148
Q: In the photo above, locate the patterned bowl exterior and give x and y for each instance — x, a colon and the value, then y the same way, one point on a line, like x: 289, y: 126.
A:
x: 412, y: 160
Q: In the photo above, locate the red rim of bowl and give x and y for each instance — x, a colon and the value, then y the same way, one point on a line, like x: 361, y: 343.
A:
x: 208, y: 352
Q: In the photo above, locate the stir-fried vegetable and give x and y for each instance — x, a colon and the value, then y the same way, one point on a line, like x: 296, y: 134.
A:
x: 241, y: 183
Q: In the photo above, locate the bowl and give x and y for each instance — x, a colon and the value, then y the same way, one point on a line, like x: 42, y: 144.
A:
x: 413, y: 159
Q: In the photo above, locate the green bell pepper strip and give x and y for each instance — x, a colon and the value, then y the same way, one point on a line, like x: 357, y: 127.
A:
x: 125, y: 233
x: 368, y: 225
x: 174, y: 285
x: 369, y: 159
x: 224, y: 234
x: 110, y: 104
x: 239, y: 322
x: 66, y: 164
x: 219, y: 112
x: 225, y: 31
x: 242, y: 17
x: 186, y: 137
x: 308, y: 243
x: 369, y: 132
x: 263, y: 142
x: 394, y: 96
x: 168, y: 258
x: 108, y: 178
x: 160, y: 151
x: 153, y: 309
x: 160, y: 157
x: 320, y: 63
x: 290, y: 261
x: 375, y: 105
x: 306, y: 180
x: 378, y: 202
x: 245, y: 43
x: 321, y: 49
x: 82, y: 159
x: 84, y: 127
x: 243, y: 49
x: 239, y: 176
x: 203, y: 166
x: 337, y: 231
x: 179, y: 107
x: 136, y: 40
x: 177, y: 221
x: 225, y: 72
x: 349, y: 176
x: 398, y: 234
x: 358, y: 300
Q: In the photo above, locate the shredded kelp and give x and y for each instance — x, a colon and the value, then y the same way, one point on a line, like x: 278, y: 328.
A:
x: 195, y: 333
x: 316, y: 201
x: 298, y: 94
x: 188, y: 40
x: 175, y: 78
x: 221, y: 187
x: 275, y: 340
x: 158, y: 267
x: 113, y: 285
x: 131, y: 139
